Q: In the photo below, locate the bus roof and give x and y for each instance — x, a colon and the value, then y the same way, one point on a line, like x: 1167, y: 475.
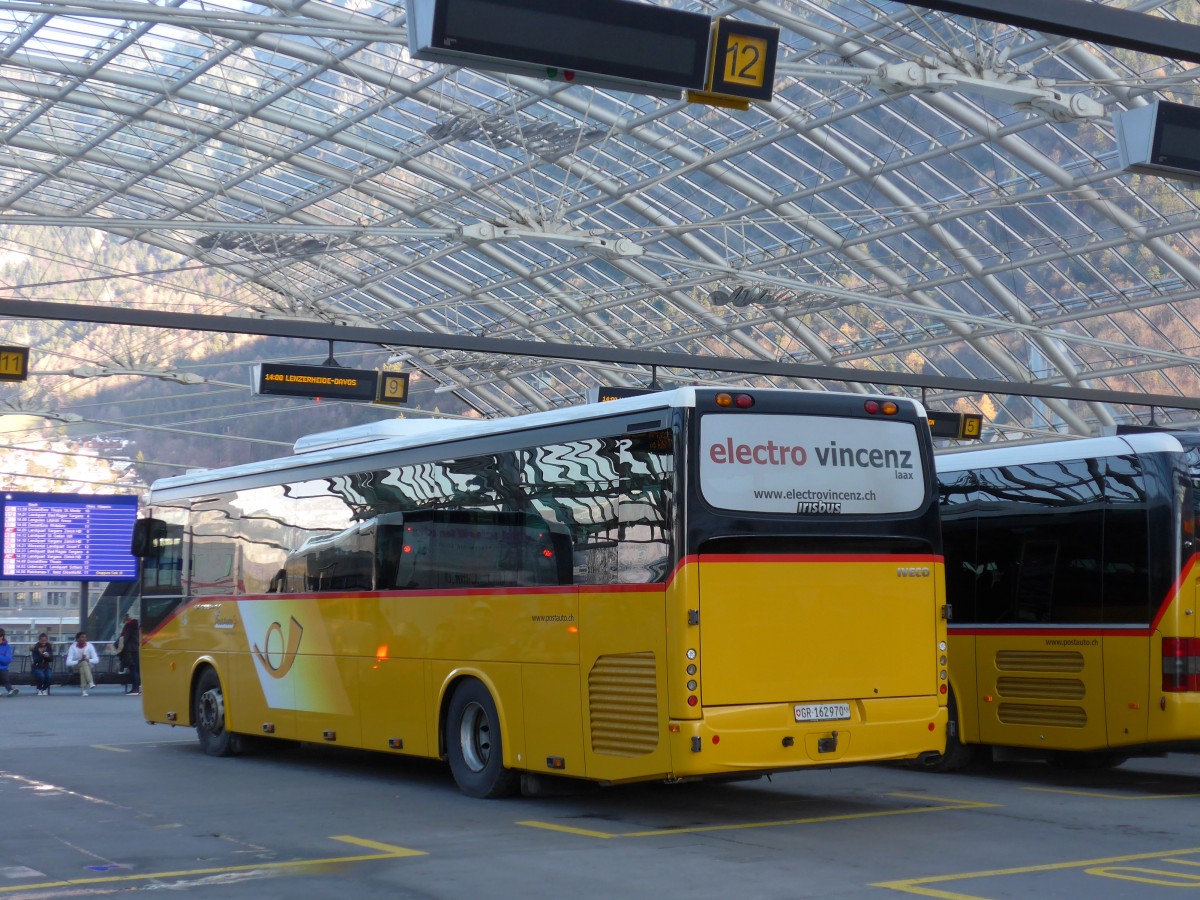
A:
x: 1050, y: 451
x: 333, y: 447
x: 401, y: 434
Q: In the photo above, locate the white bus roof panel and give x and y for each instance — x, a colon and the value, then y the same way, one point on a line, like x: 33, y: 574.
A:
x: 331, y: 446
x: 1087, y: 448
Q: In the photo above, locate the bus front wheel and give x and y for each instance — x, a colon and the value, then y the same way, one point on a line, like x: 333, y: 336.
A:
x: 215, y: 738
x: 474, y: 746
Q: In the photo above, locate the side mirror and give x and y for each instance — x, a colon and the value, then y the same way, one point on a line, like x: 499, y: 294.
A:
x: 146, y: 536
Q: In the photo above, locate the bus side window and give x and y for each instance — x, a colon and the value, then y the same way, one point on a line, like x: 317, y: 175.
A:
x: 1035, y: 584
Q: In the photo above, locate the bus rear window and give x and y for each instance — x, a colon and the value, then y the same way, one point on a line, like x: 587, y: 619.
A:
x: 810, y: 465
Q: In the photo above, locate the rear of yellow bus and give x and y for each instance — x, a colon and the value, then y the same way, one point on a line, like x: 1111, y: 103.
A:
x: 806, y: 620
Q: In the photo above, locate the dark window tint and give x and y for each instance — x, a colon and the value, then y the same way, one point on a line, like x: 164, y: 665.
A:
x: 592, y: 511
x: 1061, y: 542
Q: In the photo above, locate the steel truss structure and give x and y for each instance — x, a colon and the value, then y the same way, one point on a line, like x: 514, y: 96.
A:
x: 926, y: 194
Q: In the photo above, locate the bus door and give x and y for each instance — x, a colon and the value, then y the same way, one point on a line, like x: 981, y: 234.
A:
x: 814, y: 628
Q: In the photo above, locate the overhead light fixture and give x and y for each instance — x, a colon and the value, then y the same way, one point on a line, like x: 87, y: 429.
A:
x: 545, y: 138
x: 745, y: 296
x: 267, y: 244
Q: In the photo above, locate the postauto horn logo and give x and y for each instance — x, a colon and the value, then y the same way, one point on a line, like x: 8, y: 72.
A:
x: 280, y: 655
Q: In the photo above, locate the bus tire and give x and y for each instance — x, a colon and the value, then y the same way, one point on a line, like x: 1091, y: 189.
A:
x: 209, y: 717
x: 957, y: 755
x: 473, y: 744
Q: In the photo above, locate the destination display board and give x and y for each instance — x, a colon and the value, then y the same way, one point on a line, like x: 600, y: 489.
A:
x: 66, y: 537
x: 326, y: 382
x: 604, y: 394
x: 330, y: 383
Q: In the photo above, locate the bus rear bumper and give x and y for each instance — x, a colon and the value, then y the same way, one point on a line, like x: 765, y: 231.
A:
x: 766, y: 737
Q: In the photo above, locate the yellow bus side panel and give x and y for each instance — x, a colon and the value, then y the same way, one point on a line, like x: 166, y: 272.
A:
x: 1126, y: 688
x: 165, y: 685
x: 247, y: 708
x: 622, y: 643
x: 963, y: 682
x: 394, y: 698
x: 1041, y: 691
x: 337, y: 717
x: 553, y: 720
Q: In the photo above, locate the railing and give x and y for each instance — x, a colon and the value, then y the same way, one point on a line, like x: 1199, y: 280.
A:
x: 107, y: 672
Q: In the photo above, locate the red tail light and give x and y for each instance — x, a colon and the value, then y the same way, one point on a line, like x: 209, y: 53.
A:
x: 1180, y: 664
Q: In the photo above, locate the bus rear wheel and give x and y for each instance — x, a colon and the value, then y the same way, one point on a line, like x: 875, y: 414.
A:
x: 474, y: 746
x: 957, y: 755
x: 209, y: 717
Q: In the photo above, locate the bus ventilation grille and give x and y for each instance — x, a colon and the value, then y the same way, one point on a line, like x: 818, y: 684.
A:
x: 1040, y: 688
x: 623, y: 704
x: 1039, y: 661
x: 1027, y: 714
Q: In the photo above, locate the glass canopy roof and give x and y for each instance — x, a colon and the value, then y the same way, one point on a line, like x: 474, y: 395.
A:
x: 925, y: 193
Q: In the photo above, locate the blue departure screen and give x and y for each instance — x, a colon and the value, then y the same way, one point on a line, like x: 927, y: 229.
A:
x: 67, y: 537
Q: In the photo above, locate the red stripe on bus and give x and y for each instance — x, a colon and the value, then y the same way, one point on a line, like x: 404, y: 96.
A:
x: 694, y: 559
x: 1174, y: 592
x: 976, y: 631
x: 928, y: 558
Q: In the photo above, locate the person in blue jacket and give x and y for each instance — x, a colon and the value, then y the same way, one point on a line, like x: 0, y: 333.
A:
x: 5, y: 661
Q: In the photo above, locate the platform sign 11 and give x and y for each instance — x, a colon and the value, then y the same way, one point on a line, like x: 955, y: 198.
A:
x: 14, y: 363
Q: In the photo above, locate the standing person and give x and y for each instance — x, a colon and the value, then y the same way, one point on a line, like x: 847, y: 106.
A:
x: 43, y: 664
x: 5, y: 661
x: 130, y: 645
x: 83, y: 654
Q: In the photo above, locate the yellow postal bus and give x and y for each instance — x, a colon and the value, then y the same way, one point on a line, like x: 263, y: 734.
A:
x: 1070, y: 570
x: 689, y: 583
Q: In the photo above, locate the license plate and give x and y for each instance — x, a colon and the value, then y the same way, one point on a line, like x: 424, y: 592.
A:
x: 822, y: 712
